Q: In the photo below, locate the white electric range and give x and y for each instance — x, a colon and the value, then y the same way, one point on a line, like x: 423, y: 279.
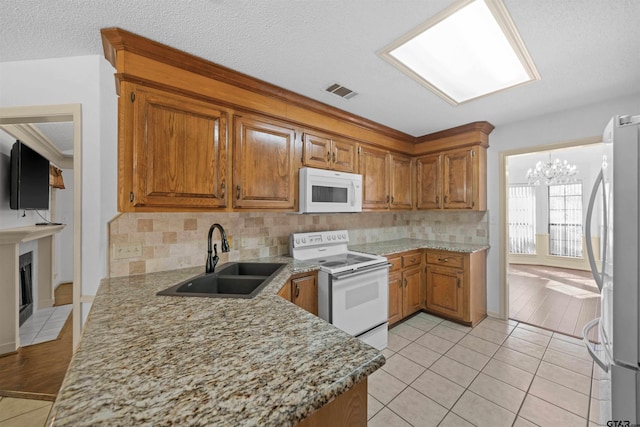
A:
x: 353, y: 287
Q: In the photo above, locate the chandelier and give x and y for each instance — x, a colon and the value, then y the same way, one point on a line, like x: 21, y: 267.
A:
x: 552, y: 172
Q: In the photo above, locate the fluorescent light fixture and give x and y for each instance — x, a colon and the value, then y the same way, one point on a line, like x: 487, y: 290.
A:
x: 469, y: 50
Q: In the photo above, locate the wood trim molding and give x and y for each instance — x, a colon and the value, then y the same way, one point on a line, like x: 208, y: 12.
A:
x: 476, y: 133
x: 115, y: 40
x: 482, y: 127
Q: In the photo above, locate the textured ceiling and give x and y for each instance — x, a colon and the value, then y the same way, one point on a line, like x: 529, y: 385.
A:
x: 585, y: 50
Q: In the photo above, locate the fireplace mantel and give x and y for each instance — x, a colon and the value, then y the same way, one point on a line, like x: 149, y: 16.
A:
x: 10, y: 239
x: 28, y: 233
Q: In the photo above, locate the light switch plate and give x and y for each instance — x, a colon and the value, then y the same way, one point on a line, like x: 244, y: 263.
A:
x: 127, y: 250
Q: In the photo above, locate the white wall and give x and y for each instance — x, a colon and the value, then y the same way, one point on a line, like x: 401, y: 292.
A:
x: 563, y: 126
x: 77, y: 80
x: 64, y: 240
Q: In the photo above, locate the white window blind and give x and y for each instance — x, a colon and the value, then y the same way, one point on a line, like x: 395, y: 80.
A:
x: 565, y: 220
x: 522, y: 219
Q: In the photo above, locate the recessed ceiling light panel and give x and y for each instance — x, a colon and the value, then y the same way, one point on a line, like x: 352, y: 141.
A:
x: 469, y: 50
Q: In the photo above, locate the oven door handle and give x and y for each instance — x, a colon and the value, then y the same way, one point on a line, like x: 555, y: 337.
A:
x: 344, y: 275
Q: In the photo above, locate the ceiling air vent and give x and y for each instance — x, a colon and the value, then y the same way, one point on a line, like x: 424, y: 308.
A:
x: 341, y: 91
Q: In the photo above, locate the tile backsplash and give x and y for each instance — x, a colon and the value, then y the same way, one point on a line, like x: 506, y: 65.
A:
x: 166, y: 241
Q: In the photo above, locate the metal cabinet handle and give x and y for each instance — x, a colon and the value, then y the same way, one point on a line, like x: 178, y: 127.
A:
x: 297, y: 291
x: 223, y: 189
x: 387, y: 198
x: 238, y: 192
x: 328, y: 156
x: 405, y: 282
x: 334, y: 157
x: 412, y: 260
x: 392, y: 199
x: 443, y: 259
x: 458, y: 282
x: 446, y: 199
x: 400, y: 283
x: 437, y: 199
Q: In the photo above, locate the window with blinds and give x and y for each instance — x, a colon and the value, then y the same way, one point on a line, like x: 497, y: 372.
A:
x: 565, y: 220
x: 522, y: 219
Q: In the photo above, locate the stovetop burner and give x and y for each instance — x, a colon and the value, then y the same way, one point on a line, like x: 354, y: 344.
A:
x: 329, y: 250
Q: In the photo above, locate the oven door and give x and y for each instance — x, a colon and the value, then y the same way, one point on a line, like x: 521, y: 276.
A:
x: 359, y: 300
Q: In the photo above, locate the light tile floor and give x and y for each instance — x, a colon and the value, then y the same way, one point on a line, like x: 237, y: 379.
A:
x: 23, y: 412
x: 44, y: 325
x: 500, y: 373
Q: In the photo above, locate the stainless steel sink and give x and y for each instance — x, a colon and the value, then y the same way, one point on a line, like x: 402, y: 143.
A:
x: 232, y: 280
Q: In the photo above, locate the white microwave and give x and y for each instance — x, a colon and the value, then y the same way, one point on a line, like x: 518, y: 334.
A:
x: 324, y: 191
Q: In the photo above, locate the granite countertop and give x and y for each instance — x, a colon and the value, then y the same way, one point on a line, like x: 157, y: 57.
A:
x: 390, y: 247
x: 162, y: 360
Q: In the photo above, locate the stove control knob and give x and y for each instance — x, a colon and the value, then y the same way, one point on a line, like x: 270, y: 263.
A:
x: 297, y: 240
x: 304, y: 240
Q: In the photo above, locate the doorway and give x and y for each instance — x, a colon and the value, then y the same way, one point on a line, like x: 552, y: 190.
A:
x: 547, y: 280
x: 28, y: 120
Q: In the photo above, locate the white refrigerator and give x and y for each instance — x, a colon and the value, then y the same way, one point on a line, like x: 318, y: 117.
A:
x: 616, y: 192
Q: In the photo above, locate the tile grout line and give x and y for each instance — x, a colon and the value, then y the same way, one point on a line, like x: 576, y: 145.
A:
x: 510, y: 334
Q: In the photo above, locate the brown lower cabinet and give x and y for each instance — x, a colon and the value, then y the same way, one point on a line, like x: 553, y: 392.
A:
x: 347, y: 410
x: 302, y: 290
x: 456, y: 285
x: 405, y: 285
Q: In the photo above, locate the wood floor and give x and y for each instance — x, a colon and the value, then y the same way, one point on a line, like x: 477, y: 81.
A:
x: 556, y: 299
x: 37, y: 371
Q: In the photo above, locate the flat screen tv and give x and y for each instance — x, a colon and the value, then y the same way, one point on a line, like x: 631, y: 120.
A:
x: 29, y: 179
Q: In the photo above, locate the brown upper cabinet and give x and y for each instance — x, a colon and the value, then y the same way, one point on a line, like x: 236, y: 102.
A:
x: 386, y: 179
x: 173, y: 150
x: 401, y: 182
x: 194, y: 135
x: 324, y: 152
x: 264, y: 175
x: 373, y: 165
x: 453, y: 179
x: 429, y: 181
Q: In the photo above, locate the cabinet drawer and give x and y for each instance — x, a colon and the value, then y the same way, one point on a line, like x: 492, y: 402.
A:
x: 409, y: 260
x: 396, y: 263
x: 445, y: 258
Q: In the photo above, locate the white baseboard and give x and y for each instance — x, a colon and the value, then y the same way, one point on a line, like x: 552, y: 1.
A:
x: 495, y: 315
x: 46, y: 303
x: 9, y: 347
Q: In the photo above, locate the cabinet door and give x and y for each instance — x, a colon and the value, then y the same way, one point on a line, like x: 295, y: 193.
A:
x: 374, y: 166
x: 458, y: 179
x: 305, y: 293
x: 429, y: 182
x: 411, y: 296
x: 395, y: 297
x: 401, y: 177
x: 263, y: 164
x: 178, y: 152
x: 316, y: 151
x: 343, y: 156
x: 445, y: 292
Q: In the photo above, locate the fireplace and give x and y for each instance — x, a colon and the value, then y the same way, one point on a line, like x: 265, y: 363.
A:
x: 26, y: 287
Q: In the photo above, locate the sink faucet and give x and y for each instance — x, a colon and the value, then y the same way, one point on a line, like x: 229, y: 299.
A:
x: 213, y: 260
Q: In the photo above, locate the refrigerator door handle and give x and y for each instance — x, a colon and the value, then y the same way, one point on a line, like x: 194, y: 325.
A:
x: 592, y: 352
x: 587, y: 230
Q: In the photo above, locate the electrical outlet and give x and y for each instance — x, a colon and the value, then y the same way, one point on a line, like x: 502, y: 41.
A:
x: 127, y: 250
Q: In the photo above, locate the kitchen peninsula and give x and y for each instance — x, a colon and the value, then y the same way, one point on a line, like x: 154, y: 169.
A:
x: 156, y: 360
